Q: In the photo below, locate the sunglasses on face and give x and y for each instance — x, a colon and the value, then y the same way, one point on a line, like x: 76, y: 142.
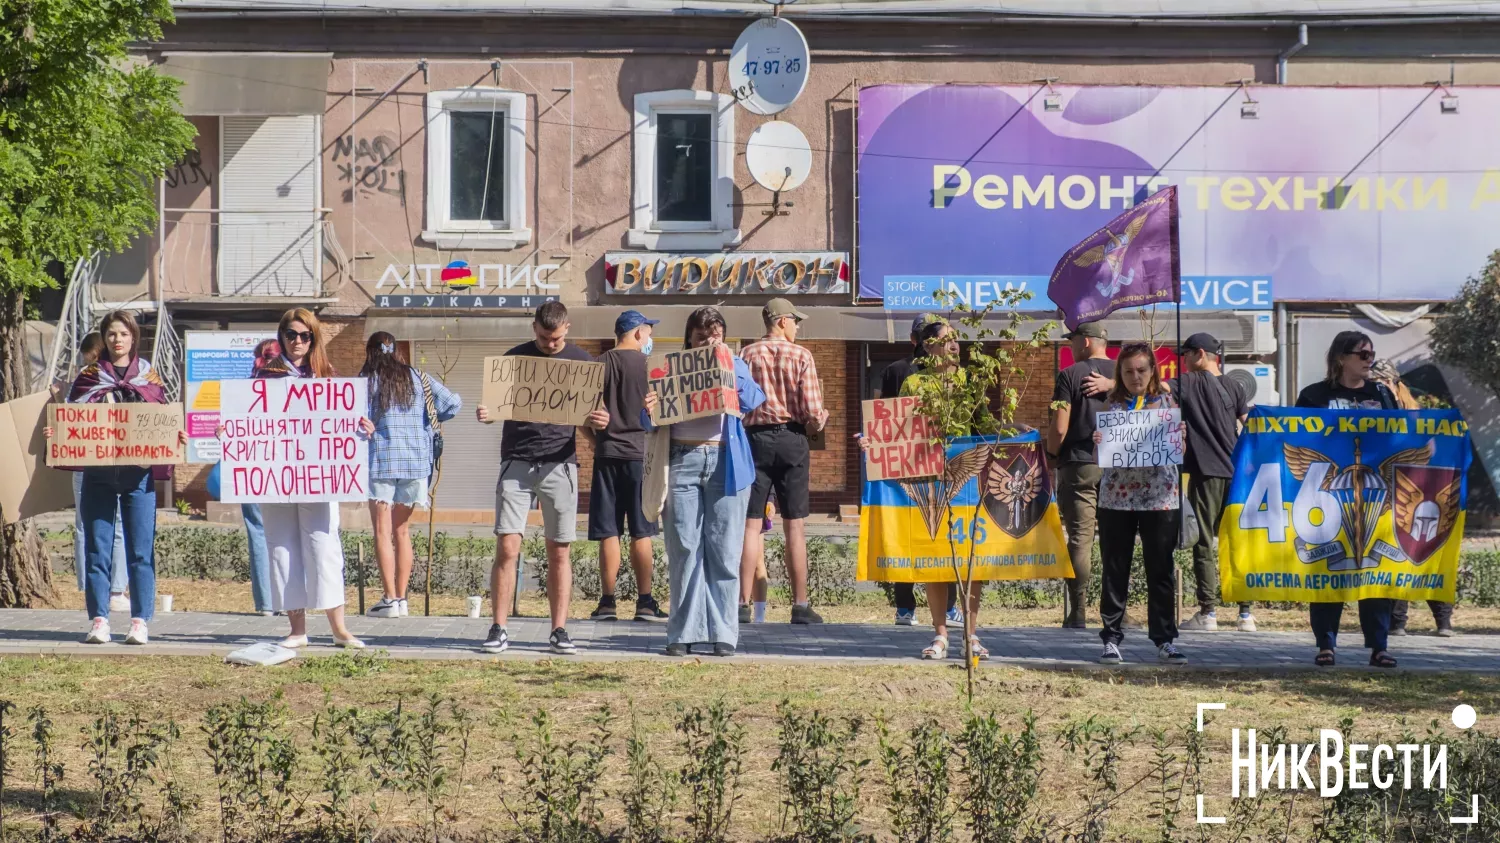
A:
x: 305, y: 336
x: 1366, y: 355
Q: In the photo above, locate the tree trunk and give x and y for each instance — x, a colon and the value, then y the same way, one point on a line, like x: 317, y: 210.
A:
x: 25, y: 573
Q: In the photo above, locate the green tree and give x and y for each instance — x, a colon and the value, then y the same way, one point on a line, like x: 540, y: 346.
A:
x: 1467, y: 336
x: 85, y: 131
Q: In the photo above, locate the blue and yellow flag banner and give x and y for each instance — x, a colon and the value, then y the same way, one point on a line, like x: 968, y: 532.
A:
x: 1337, y: 505
x: 994, y: 497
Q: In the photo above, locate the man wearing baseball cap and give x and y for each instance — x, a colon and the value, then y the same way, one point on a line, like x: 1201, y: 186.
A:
x: 890, y: 387
x: 615, y: 496
x: 778, y: 441
x: 1070, y: 448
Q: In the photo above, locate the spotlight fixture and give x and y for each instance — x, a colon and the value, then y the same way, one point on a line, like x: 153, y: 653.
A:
x: 1052, y: 100
x: 1449, y: 104
x: 1249, y: 109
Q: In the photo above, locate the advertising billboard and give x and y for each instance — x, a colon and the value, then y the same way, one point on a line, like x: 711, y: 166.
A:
x: 1325, y: 194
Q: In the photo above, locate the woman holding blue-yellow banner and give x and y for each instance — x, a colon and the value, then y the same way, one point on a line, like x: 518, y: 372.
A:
x: 1350, y: 387
x: 1144, y: 501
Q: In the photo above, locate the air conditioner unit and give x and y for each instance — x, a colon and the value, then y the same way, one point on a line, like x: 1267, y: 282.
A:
x: 1257, y: 380
x: 1259, y: 332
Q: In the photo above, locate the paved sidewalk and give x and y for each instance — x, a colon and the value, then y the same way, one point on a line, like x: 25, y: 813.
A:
x: 200, y: 634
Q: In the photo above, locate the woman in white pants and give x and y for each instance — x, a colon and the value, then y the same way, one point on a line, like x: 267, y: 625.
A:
x: 307, y: 557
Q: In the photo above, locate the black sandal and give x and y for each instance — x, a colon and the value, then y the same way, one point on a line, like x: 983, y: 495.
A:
x: 1382, y: 659
x: 1324, y: 659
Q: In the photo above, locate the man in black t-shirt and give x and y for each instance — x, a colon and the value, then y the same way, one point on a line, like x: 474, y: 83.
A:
x: 890, y: 386
x: 538, y: 462
x: 615, y: 495
x: 1070, y: 449
x: 1213, y: 408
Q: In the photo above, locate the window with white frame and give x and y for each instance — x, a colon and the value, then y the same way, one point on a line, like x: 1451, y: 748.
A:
x: 476, y: 159
x: 684, y: 171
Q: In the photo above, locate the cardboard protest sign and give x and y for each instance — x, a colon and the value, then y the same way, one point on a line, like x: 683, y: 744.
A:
x: 1141, y: 438
x: 654, y: 484
x: 540, y: 389
x: 27, y: 486
x: 114, y: 434
x: 294, y: 440
x: 693, y: 383
x: 901, y: 441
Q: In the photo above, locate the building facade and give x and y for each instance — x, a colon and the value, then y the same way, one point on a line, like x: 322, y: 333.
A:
x: 438, y: 170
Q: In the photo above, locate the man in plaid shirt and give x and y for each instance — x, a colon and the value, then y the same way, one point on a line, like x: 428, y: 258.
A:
x: 778, y: 440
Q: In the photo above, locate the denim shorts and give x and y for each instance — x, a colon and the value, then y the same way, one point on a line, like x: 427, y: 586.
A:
x: 405, y: 492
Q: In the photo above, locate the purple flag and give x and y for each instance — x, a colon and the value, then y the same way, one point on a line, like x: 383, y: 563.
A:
x: 1130, y: 262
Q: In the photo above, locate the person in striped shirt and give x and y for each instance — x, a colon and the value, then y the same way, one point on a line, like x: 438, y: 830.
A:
x: 778, y: 432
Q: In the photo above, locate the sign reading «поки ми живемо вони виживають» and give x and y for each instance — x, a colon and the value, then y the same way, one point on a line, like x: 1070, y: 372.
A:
x: 783, y: 273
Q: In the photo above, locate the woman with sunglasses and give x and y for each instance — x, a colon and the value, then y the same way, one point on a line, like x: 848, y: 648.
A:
x: 307, y: 556
x: 709, y: 477
x: 406, y: 406
x: 1349, y: 386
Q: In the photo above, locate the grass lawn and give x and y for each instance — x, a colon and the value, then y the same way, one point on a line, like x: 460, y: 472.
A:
x: 502, y: 696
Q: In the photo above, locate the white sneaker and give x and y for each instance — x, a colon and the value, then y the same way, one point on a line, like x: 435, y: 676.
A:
x: 386, y: 608
x: 137, y: 633
x: 1200, y: 622
x: 119, y: 603
x: 99, y: 632
x: 1247, y: 623
x: 405, y: 609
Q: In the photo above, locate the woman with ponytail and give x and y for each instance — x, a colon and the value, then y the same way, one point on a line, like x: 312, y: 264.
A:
x: 406, y: 407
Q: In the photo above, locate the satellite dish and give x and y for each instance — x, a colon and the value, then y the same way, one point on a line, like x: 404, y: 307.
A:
x: 768, y: 67
x: 778, y: 156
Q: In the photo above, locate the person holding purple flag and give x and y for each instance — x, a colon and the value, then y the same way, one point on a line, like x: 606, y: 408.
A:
x: 1131, y: 262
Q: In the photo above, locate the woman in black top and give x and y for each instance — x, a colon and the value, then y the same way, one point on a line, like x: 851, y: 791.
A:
x: 1350, y: 387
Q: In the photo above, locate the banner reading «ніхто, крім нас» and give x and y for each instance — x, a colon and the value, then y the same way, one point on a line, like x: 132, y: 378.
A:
x: 992, y: 497
x: 1337, y: 505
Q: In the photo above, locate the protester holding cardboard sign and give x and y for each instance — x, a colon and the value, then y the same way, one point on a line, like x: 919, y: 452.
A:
x: 1143, y: 499
x: 538, y: 462
x: 307, y: 555
x: 710, y: 474
x: 88, y: 352
x: 120, y: 376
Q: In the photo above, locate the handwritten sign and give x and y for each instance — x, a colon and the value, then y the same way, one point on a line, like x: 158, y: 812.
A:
x: 901, y: 440
x: 114, y: 434
x: 294, y: 440
x: 1141, y: 438
x: 693, y: 383
x: 540, y: 389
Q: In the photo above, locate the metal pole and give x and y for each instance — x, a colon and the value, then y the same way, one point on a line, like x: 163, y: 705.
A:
x: 515, y: 597
x: 359, y: 571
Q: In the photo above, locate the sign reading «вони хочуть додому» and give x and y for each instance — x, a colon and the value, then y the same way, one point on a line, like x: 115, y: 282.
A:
x: 770, y: 273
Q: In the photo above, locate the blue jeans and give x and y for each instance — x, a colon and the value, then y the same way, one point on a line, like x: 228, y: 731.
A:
x: 260, y: 559
x: 117, y: 581
x: 705, y: 534
x: 128, y: 490
x: 1374, y: 620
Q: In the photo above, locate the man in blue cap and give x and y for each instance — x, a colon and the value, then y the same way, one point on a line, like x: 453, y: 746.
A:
x: 615, y: 498
x: 890, y: 387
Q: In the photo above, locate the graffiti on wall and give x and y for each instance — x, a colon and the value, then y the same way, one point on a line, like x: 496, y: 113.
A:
x: 370, y: 165
x: 188, y: 170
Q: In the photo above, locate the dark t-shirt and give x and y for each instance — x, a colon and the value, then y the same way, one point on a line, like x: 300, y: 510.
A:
x: 1211, y: 408
x: 624, y: 438
x: 534, y: 442
x: 1334, y: 396
x: 896, y: 374
x: 1078, y: 444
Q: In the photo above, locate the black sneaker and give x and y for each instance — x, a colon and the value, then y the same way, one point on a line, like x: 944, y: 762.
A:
x: 647, y: 609
x: 744, y: 613
x: 497, y: 642
x: 805, y: 614
x: 723, y: 650
x: 561, y: 643
x: 677, y: 650
x: 606, y: 610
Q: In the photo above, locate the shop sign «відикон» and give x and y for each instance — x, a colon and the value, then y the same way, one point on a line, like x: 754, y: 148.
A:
x: 771, y: 273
